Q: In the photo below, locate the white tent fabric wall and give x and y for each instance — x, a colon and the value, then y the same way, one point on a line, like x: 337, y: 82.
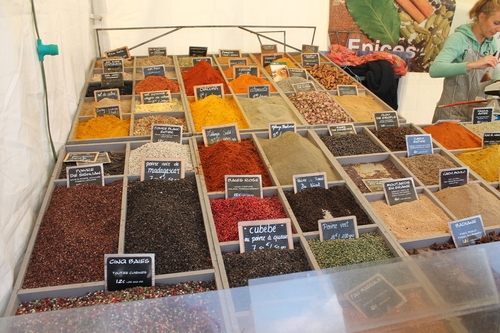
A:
x: 26, y: 158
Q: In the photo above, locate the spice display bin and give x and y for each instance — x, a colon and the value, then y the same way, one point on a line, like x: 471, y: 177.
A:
x: 86, y: 107
x: 180, y: 115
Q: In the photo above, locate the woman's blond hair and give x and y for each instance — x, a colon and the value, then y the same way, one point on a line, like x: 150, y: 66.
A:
x: 487, y: 7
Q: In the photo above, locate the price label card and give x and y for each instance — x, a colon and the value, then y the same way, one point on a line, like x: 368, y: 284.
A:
x: 103, y: 158
x: 200, y: 92
x: 307, y: 180
x: 154, y: 71
x: 313, y: 48
x: 238, y: 61
x: 491, y: 138
x: 81, y: 156
x: 265, y: 234
x: 106, y: 93
x: 276, y: 129
x: 112, y: 110
x: 112, y: 65
x: 240, y: 70
x: 375, y: 185
x: 310, y: 59
x: 419, y: 144
x: 304, y: 86
x: 198, y: 51
x: 399, y: 190
x: 269, y: 48
x: 162, y: 168
x: 90, y: 173
x: 216, y: 133
x: 256, y: 91
x: 166, y: 133
x: 341, y: 129
x: 111, y: 80
x: 447, y: 120
x: 347, y: 90
x: 386, y: 119
x: 296, y: 72
x: 453, y: 177
x: 465, y: 231
x: 123, y: 271
x: 157, y: 51
x: 230, y: 53
x: 338, y: 228
x: 194, y: 61
x: 153, y: 97
x: 482, y: 115
x: 267, y: 59
x: 121, y: 52
x: 375, y: 297
x: 240, y: 185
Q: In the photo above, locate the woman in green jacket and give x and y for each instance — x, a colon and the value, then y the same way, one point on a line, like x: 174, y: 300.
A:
x: 468, y: 61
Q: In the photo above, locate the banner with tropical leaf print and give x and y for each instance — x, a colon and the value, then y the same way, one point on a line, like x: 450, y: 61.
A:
x: 418, y: 27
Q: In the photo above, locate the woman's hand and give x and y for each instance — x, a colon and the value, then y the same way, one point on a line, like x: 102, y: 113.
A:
x: 488, y: 61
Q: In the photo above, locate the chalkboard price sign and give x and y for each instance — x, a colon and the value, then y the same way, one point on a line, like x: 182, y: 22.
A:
x: 419, y: 144
x: 375, y: 184
x: 162, y: 168
x: 240, y: 70
x: 238, y: 61
x: 111, y: 80
x: 304, y: 86
x: 267, y: 59
x: 166, y: 133
x: 256, y: 91
x: 265, y: 234
x: 297, y: 72
x: 106, y: 93
x: 200, y: 92
x: 313, y: 48
x: 453, y: 177
x: 241, y: 185
x: 152, y: 97
x: 269, y: 48
x: 482, y: 115
x: 375, y: 297
x: 112, y: 65
x: 90, y: 173
x: 113, y: 110
x: 123, y: 271
x: 347, y: 90
x: 276, y: 129
x: 198, y: 51
x: 386, y: 119
x: 399, y: 190
x: 491, y: 138
x: 341, y: 129
x: 103, y: 158
x: 157, y: 51
x: 216, y: 133
x: 121, y: 52
x: 154, y: 71
x: 306, y: 180
x: 465, y: 231
x: 229, y: 53
x: 194, y: 61
x: 310, y: 59
x: 81, y: 157
x: 338, y: 228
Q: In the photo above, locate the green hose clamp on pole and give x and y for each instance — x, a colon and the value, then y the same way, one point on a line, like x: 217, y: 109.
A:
x: 44, y: 50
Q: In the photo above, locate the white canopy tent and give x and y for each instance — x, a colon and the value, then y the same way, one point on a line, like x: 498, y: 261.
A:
x: 26, y: 155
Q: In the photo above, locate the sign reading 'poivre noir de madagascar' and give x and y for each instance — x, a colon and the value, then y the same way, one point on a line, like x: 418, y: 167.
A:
x: 162, y: 168
x: 265, y: 234
x: 338, y: 228
x: 241, y: 185
x: 90, y: 173
x: 216, y: 133
x: 123, y: 271
x: 307, y: 180
x: 276, y: 129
